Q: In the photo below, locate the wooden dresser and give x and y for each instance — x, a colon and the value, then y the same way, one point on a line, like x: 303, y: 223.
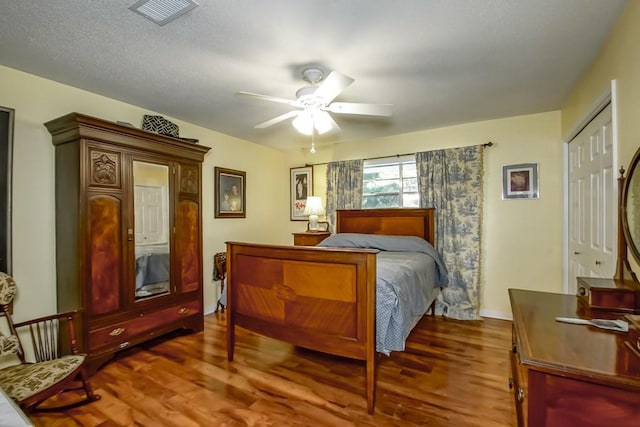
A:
x: 569, y: 375
x: 126, y: 199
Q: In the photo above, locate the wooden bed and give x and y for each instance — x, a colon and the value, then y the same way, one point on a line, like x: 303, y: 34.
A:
x: 322, y: 299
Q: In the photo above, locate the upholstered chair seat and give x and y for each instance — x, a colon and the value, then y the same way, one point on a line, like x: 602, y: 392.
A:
x: 25, y: 380
x: 53, y: 370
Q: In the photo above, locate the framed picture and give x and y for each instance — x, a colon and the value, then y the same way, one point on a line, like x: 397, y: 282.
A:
x: 301, y: 188
x: 230, y: 189
x: 520, y: 181
x: 6, y: 157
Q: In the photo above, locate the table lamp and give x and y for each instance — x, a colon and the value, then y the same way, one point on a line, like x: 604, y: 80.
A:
x: 313, y: 209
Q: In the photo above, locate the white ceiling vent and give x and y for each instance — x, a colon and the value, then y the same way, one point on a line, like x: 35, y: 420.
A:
x: 163, y: 11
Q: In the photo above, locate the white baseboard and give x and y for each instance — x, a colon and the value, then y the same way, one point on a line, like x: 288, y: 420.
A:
x: 496, y: 315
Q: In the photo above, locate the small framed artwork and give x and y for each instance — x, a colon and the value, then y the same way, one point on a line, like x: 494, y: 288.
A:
x: 520, y: 181
x: 230, y: 189
x: 301, y: 188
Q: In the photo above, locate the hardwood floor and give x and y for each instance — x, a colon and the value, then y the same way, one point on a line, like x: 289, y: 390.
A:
x: 453, y: 373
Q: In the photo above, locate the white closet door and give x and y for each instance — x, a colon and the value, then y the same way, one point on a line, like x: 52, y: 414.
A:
x: 149, y: 217
x: 592, y: 201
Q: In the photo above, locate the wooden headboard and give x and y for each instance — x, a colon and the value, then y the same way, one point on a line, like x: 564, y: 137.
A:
x: 395, y: 222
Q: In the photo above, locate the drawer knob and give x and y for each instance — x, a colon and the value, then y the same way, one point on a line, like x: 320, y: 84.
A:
x: 520, y: 395
x: 183, y: 310
x: 116, y: 332
x: 582, y: 291
x: 510, y: 383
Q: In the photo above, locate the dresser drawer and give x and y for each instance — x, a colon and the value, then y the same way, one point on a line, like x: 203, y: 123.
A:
x: 607, y: 294
x: 518, y: 384
x: 120, y: 333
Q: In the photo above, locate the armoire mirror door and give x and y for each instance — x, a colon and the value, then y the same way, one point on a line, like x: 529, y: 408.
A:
x: 151, y: 230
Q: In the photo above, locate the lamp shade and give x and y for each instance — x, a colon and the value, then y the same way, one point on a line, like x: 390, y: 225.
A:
x: 314, y: 206
x: 313, y: 209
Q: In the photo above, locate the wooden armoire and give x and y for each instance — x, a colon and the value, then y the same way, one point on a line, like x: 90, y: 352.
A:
x: 100, y: 169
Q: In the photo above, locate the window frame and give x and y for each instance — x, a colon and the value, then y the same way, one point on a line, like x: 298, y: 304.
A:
x: 399, y: 162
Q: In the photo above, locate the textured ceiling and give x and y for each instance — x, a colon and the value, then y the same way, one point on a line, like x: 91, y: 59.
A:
x: 439, y: 62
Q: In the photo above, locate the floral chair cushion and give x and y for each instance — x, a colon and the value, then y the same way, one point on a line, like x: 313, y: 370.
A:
x: 7, y: 288
x: 23, y: 381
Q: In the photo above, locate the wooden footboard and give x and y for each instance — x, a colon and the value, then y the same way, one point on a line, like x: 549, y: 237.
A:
x: 318, y: 298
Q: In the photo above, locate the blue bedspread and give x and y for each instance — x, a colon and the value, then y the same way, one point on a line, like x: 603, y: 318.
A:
x: 408, y: 271
x: 152, y: 268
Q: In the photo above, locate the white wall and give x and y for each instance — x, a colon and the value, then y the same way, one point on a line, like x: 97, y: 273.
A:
x: 36, y: 101
x: 522, y: 239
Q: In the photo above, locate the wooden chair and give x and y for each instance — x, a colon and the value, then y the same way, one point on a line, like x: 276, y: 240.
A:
x: 220, y: 273
x: 30, y: 383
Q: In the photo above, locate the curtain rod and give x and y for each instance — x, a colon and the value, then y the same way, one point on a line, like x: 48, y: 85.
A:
x: 485, y: 145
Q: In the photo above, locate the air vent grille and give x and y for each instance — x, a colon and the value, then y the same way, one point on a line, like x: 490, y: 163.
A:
x: 163, y: 11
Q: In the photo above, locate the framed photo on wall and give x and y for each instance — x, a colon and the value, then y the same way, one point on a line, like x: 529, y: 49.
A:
x: 230, y: 193
x: 6, y: 156
x: 301, y: 188
x: 520, y: 181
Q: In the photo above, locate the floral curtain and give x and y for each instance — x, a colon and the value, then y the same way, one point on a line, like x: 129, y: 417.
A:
x: 451, y: 182
x: 344, y: 188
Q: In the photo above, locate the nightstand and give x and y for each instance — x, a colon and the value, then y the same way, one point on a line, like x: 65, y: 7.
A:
x: 309, y: 238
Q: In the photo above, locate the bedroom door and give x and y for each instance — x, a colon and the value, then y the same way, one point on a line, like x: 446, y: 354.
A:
x: 592, y: 201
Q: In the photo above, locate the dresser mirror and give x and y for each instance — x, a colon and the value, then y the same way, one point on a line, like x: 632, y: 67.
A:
x: 629, y: 222
x: 151, y: 229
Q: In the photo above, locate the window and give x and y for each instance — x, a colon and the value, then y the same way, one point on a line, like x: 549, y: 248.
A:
x: 390, y: 183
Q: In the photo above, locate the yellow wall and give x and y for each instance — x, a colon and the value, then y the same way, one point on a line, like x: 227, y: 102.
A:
x: 38, y: 100
x: 522, y: 239
x: 536, y: 223
x: 619, y: 59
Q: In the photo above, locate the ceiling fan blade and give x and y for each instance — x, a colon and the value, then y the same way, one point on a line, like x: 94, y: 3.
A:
x: 332, y: 86
x: 363, y: 109
x: 278, y: 119
x: 291, y: 102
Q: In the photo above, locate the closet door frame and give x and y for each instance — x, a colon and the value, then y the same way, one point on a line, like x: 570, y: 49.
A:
x: 609, y: 97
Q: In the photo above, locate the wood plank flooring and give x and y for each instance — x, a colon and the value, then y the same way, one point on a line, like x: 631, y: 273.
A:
x: 453, y: 373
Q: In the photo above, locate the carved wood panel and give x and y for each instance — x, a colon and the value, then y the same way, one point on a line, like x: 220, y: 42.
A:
x: 104, y: 169
x: 189, y: 179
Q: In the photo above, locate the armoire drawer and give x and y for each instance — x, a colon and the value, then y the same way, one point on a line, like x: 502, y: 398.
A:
x: 121, y: 332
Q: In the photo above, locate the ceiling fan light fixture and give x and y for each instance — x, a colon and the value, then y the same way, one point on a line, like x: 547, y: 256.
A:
x: 306, y: 120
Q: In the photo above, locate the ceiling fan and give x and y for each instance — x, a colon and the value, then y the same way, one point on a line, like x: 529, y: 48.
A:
x: 314, y: 103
